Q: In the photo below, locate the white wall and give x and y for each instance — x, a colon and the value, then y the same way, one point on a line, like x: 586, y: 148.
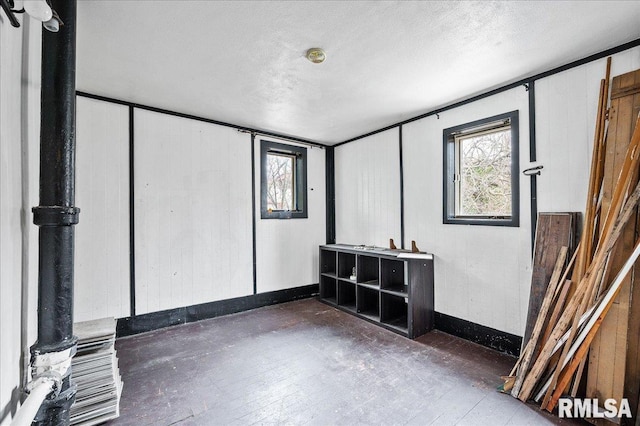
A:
x: 566, y: 108
x: 193, y: 229
x: 367, y: 174
x: 102, y: 192
x: 10, y: 206
x: 193, y: 222
x: 19, y: 138
x: 482, y: 273
x: 287, y: 249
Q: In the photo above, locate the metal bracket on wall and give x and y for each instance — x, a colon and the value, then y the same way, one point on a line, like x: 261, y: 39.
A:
x: 532, y: 171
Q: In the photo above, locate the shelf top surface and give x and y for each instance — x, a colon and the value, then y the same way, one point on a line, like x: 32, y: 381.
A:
x: 377, y: 251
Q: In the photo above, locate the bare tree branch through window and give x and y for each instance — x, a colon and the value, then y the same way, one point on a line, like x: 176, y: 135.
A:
x: 485, y: 174
x: 280, y: 181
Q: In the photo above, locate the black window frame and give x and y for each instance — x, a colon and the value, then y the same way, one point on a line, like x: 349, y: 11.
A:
x: 449, y: 169
x: 300, y: 180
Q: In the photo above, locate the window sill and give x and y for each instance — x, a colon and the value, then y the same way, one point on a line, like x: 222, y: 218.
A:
x: 485, y: 221
x: 284, y: 215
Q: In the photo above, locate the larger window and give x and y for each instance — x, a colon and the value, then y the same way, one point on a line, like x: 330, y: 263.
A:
x: 284, y: 181
x: 481, y: 172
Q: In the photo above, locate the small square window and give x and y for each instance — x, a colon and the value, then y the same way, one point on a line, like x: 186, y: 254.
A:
x: 284, y: 181
x: 481, y: 184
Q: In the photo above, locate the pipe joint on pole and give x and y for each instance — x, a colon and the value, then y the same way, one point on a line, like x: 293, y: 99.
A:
x: 55, y: 215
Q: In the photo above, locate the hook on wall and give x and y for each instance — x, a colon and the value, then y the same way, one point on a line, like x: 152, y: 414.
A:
x: 532, y: 171
x: 526, y: 87
x: 437, y: 116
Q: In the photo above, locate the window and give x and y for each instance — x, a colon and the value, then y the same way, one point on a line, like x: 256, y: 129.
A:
x: 481, y: 182
x: 284, y: 181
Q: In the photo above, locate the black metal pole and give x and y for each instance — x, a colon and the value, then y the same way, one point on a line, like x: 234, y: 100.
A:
x: 532, y: 158
x: 56, y: 213
x: 330, y: 183
x: 401, y: 188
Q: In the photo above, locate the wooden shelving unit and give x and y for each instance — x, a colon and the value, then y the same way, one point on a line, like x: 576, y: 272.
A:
x: 392, y: 288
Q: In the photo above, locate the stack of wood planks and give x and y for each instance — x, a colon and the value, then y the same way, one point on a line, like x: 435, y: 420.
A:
x: 614, y: 364
x: 585, y: 282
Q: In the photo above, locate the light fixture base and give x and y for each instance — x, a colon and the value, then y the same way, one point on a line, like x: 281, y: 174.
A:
x: 316, y: 55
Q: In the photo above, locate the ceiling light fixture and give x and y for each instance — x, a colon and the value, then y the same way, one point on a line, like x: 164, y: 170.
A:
x: 316, y: 55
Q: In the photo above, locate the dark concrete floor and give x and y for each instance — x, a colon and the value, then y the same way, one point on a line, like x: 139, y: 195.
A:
x: 307, y: 363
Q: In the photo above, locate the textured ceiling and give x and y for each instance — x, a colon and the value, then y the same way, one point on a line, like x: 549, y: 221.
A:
x: 243, y: 62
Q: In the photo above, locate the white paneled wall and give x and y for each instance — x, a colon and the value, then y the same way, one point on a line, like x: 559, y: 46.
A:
x: 193, y: 222
x: 19, y: 141
x: 287, y: 249
x: 10, y: 210
x: 566, y: 108
x: 102, y: 273
x: 482, y: 273
x: 193, y: 232
x: 367, y: 175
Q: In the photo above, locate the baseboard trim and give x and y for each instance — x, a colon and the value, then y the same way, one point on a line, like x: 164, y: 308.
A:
x: 152, y: 321
x: 485, y: 336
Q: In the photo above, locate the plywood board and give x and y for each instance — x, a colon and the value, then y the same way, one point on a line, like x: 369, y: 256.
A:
x: 554, y: 231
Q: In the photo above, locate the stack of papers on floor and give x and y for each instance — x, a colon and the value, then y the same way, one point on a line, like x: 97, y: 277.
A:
x: 95, y: 372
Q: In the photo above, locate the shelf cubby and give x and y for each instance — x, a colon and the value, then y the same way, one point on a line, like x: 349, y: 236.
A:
x: 368, y: 303
x: 346, y: 263
x: 392, y: 288
x: 328, y: 289
x: 347, y: 295
x: 368, y: 270
x: 393, y: 311
x: 393, y: 277
x: 328, y: 262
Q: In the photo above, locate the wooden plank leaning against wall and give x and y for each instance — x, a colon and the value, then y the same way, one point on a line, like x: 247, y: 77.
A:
x: 554, y: 231
x: 614, y: 362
